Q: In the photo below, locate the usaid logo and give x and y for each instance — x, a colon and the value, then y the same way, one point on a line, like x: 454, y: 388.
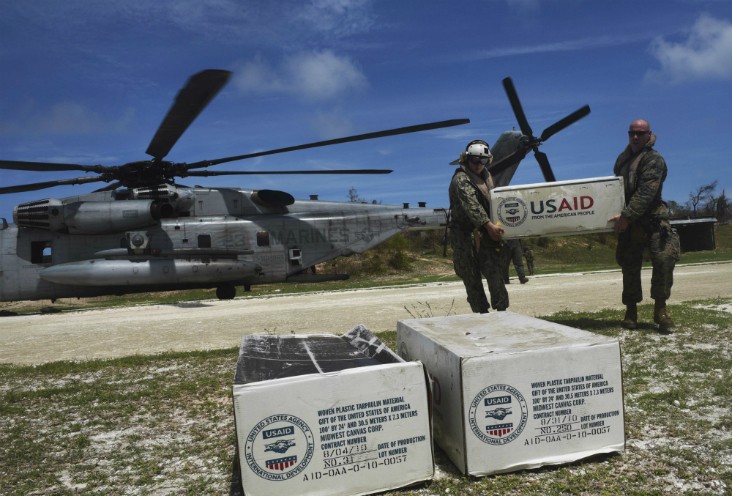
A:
x: 279, y: 447
x: 498, y: 400
x: 284, y: 431
x: 512, y: 212
x: 498, y: 414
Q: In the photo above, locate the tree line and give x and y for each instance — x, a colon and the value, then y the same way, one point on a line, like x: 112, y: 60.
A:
x: 703, y: 202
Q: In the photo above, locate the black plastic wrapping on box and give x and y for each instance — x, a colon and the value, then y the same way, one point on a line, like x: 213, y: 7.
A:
x: 267, y: 357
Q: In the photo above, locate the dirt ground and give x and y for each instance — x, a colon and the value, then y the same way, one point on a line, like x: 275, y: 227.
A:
x: 214, y: 324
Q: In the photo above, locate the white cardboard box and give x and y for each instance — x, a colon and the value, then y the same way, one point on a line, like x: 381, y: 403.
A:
x: 558, y: 209
x: 318, y: 415
x: 512, y: 392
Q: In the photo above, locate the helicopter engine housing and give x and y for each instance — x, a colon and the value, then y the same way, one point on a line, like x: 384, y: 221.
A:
x: 172, y: 200
x: 87, y: 217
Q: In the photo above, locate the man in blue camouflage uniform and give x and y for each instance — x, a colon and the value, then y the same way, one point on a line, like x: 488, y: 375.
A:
x: 475, y: 239
x: 643, y: 223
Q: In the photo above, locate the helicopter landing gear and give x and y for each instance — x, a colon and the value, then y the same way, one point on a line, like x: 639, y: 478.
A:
x: 226, y: 292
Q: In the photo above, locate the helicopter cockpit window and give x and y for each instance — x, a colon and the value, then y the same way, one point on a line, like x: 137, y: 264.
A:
x: 204, y: 241
x: 262, y: 238
x: 41, y: 252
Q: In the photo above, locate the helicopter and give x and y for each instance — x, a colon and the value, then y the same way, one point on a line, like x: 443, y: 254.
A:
x: 146, y: 232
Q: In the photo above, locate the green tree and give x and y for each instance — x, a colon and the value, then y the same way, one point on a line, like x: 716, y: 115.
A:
x: 353, y: 196
x: 702, y: 193
x: 722, y: 210
x: 678, y: 211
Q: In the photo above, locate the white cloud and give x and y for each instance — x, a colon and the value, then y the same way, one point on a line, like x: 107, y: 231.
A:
x: 705, y: 54
x: 320, y: 75
x: 71, y: 118
x: 256, y: 76
x: 338, y: 17
x: 64, y: 118
x: 332, y: 124
x: 575, y: 45
x: 284, y: 22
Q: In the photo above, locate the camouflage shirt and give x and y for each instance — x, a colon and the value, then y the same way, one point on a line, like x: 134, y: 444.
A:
x: 643, y: 175
x: 469, y: 208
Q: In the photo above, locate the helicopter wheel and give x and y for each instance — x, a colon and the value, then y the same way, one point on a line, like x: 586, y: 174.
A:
x: 226, y: 292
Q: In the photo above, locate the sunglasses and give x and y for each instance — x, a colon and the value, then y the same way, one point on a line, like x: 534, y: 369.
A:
x: 478, y: 160
x: 637, y: 133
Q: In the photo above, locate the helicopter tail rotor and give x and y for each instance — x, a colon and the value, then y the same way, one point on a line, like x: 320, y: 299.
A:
x: 531, y: 142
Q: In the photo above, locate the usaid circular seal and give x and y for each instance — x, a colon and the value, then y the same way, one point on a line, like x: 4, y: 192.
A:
x: 498, y: 414
x: 279, y: 447
x: 512, y: 211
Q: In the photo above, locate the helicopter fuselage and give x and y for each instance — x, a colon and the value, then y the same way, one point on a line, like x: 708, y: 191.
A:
x: 98, y: 244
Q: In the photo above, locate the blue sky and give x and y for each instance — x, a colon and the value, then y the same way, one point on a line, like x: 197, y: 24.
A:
x: 89, y: 82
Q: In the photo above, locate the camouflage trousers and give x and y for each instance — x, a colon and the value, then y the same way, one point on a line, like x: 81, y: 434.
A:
x: 470, y: 263
x: 512, y: 253
x: 665, y: 250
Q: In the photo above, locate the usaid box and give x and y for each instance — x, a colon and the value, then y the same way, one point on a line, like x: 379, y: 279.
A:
x: 558, y: 209
x: 328, y: 415
x: 513, y: 392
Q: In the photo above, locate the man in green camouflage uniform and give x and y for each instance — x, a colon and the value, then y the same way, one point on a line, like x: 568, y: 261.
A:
x: 529, y: 255
x: 476, y: 241
x: 643, y: 223
x: 514, y: 252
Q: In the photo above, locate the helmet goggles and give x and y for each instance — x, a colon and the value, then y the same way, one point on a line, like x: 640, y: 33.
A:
x: 475, y: 160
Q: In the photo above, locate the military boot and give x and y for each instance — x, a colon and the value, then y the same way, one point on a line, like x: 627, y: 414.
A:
x: 630, y: 321
x: 662, y: 318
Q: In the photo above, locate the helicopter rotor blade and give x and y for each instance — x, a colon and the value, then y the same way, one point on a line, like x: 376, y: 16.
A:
x: 516, y: 106
x: 546, y: 169
x: 247, y: 173
x: 47, y: 166
x: 190, y: 101
x: 347, y: 139
x: 48, y: 184
x: 565, y: 122
x: 109, y: 187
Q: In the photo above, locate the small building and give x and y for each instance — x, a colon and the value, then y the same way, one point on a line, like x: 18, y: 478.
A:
x: 696, y: 234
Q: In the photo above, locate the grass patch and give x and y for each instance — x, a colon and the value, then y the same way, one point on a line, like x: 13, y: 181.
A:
x: 163, y: 424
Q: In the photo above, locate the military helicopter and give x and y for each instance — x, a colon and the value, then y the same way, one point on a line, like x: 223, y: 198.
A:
x: 145, y: 232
